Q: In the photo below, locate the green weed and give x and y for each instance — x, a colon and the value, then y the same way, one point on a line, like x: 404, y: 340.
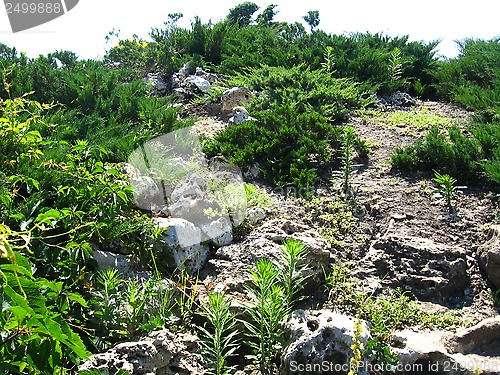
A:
x: 219, y: 339
x: 447, y: 188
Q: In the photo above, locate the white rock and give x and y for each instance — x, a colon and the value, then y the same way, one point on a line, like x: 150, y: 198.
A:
x: 107, y: 260
x: 199, y: 82
x: 182, y: 243
x: 461, y: 353
x: 179, y: 232
x: 234, y: 97
x: 160, y: 352
x: 240, y: 115
x: 321, y: 337
x: 219, y: 232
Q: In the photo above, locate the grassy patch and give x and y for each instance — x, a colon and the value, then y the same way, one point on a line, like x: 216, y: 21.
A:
x: 421, y: 119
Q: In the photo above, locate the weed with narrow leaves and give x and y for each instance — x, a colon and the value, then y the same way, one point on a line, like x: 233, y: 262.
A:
x: 219, y: 339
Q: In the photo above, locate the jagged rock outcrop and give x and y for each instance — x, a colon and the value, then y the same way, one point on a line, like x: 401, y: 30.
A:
x: 437, y: 352
x: 227, y: 268
x: 187, y: 86
x: 431, y: 271
x: 158, y: 83
x: 489, y: 256
x: 321, y: 342
x: 160, y: 352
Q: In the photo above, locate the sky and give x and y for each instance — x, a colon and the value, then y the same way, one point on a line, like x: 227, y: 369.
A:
x: 83, y: 29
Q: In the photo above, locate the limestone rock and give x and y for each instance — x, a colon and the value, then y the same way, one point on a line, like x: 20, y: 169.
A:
x: 218, y: 232
x: 256, y: 214
x: 146, y: 193
x: 441, y: 352
x: 161, y: 352
x: 489, y: 256
x: 319, y: 338
x: 202, y: 84
x: 431, y: 271
x: 228, y: 267
x: 234, y: 97
x: 187, y: 86
x: 181, y: 242
x: 397, y: 99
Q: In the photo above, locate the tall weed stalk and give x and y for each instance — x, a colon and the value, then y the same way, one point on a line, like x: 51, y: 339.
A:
x: 219, y: 340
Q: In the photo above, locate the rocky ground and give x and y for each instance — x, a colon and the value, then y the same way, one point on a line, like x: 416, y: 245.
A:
x: 398, y: 235
x: 394, y: 209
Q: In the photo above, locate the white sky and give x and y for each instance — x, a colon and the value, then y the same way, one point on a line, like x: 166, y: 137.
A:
x: 83, y: 29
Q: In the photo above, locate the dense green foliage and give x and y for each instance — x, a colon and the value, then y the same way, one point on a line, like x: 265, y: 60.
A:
x: 67, y: 124
x: 472, y: 80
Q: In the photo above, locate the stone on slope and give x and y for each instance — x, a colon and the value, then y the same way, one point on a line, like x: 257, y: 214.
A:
x: 489, y: 256
x: 431, y: 271
x: 439, y: 352
x: 321, y: 341
x: 160, y: 352
x: 181, y: 244
x: 234, y: 97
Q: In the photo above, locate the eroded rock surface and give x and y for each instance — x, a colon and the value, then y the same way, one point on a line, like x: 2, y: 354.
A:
x: 234, y: 97
x: 489, y: 256
x: 431, y: 271
x: 319, y: 338
x: 227, y: 269
x: 472, y: 349
x: 160, y: 352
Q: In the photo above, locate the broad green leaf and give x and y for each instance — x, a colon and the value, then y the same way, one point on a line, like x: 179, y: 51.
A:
x: 77, y: 298
x: 49, y: 217
x: 18, y: 299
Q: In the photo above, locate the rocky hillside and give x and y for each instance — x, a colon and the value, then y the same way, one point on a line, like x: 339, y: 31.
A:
x: 389, y: 261
x: 251, y: 197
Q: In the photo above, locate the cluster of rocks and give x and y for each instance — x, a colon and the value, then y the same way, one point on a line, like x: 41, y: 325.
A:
x: 397, y: 99
x: 321, y: 342
x: 187, y: 85
x: 227, y: 269
x: 158, y: 84
x: 160, y: 352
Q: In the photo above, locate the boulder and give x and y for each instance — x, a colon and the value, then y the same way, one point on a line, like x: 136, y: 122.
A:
x: 201, y: 83
x: 321, y: 342
x: 181, y: 243
x: 160, y: 352
x: 218, y: 232
x: 234, y: 97
x: 397, y: 99
x: 146, y: 194
x: 431, y: 271
x: 437, y: 352
x: 489, y: 256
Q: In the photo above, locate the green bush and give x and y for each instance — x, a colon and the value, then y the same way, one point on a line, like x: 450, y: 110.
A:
x: 305, y: 89
x: 283, y: 141
x: 473, y: 78
x: 464, y: 156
